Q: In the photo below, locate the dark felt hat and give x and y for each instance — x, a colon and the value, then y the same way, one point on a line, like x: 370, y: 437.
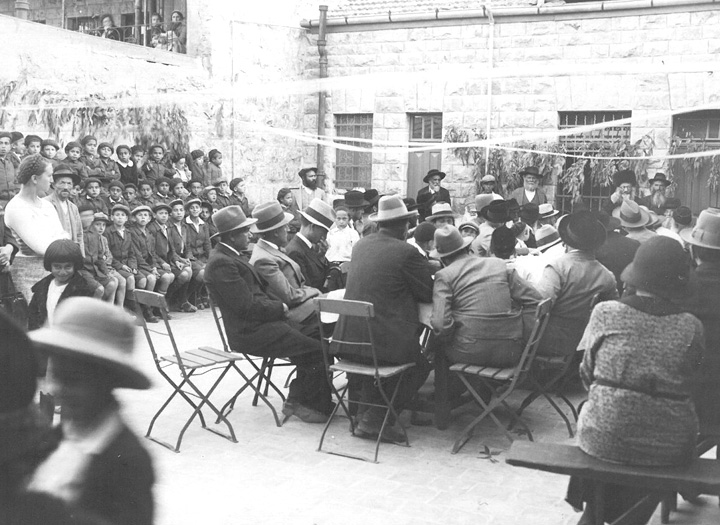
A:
x: 63, y: 170
x: 530, y: 213
x: 497, y: 211
x: 15, y: 136
x: 432, y: 173
x: 372, y: 196
x: 270, y: 216
x: 303, y: 172
x: 582, y: 231
x: 161, y: 206
x: 355, y: 199
x: 502, y: 241
x: 659, y: 177
x: 624, y: 177
x: 531, y: 170
x: 609, y: 223
x: 424, y: 232
x: 229, y: 219
x: 90, y: 180
x: 449, y: 240
x: 661, y: 267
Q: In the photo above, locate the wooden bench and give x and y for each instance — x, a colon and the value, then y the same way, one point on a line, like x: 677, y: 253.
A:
x: 701, y: 477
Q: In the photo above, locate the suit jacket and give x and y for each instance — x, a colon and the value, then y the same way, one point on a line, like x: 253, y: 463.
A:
x: 145, y: 249
x: 75, y: 227
x: 118, y: 484
x: 122, y: 248
x: 197, y: 240
x: 314, y: 266
x: 392, y: 275
x: 285, y: 280
x: 443, y: 195
x: 705, y: 305
x: 163, y: 246
x: 37, y: 314
x: 251, y: 317
x: 519, y: 195
x: 98, y: 258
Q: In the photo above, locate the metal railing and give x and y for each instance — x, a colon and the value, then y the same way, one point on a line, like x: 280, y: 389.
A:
x: 142, y: 35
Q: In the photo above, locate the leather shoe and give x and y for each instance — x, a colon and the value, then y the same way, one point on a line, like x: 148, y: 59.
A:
x: 306, y: 414
x: 367, y: 430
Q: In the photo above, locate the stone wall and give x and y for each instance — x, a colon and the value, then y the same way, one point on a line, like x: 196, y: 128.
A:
x: 520, y: 104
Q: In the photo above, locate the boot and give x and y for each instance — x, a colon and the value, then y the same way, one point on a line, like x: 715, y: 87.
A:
x: 148, y: 315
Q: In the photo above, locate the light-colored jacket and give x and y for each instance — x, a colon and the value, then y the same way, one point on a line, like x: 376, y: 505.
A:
x: 73, y: 225
x: 285, y: 280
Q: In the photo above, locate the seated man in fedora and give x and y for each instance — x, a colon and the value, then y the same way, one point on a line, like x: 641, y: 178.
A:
x: 315, y: 223
x: 432, y: 193
x: 704, y: 303
x: 390, y: 273
x: 493, y: 215
x: 100, y: 466
x: 257, y: 324
x: 572, y: 281
x: 657, y: 201
x: 354, y: 200
x: 284, y: 277
x: 531, y: 191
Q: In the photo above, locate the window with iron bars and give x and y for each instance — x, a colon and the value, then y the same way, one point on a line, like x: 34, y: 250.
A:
x: 593, y: 195
x: 353, y: 168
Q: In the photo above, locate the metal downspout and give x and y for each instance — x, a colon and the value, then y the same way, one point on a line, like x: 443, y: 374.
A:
x: 138, y: 23
x: 491, y: 62
x: 322, y: 51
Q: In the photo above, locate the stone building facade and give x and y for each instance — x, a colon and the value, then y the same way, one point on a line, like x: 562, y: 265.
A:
x: 600, y: 56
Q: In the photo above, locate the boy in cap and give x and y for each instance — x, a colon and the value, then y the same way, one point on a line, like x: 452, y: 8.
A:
x: 145, y: 191
x: 92, y: 196
x: 122, y: 249
x: 49, y: 149
x: 130, y: 195
x: 162, y: 195
x: 237, y: 196
x: 73, y: 151
x: 223, y: 193
x: 17, y: 148
x: 109, y: 171
x: 98, y: 270
x: 197, y: 167
x: 89, y: 155
x: 115, y: 194
x: 177, y: 235
x: 32, y: 145
x: 90, y: 348
x: 154, y: 168
x: 213, y: 168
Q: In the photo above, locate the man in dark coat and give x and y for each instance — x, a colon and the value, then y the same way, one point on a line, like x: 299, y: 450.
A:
x: 390, y: 273
x: 316, y: 221
x: 657, y: 201
x: 531, y: 192
x: 705, y: 305
x: 256, y: 324
x: 432, y: 193
x: 625, y: 183
x: 618, y: 250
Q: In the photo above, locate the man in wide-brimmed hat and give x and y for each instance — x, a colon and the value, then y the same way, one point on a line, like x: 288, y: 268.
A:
x: 635, y: 220
x: 657, y: 201
x: 256, y: 320
x: 704, y: 241
x: 100, y: 466
x: 308, y: 247
x: 494, y: 214
x: 64, y: 179
x: 442, y: 215
x: 354, y: 200
x: 474, y: 296
x: 531, y: 190
x: 572, y: 281
x: 390, y: 273
x: 618, y: 250
x: 625, y: 183
x: 432, y: 193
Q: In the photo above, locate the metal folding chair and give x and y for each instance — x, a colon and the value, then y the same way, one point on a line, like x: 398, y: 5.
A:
x: 260, y: 372
x: 365, y: 311
x: 501, y: 381
x: 190, y: 364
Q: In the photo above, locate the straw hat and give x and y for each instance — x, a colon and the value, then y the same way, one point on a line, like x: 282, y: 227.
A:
x: 230, y: 218
x: 95, y: 331
x: 546, y: 237
x: 441, y: 209
x: 270, y: 216
x: 632, y: 215
x: 661, y: 267
x: 546, y: 211
x: 391, y: 208
x: 484, y: 199
x: 319, y: 212
x: 706, y: 233
x: 448, y: 240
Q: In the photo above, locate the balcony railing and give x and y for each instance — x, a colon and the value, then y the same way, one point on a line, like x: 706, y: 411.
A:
x: 140, y: 35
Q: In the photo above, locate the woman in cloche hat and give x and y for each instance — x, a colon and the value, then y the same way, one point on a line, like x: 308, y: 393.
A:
x: 100, y: 466
x: 642, y: 354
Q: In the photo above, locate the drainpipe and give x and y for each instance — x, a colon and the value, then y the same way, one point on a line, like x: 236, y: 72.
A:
x: 488, y: 109
x: 22, y: 8
x: 138, y: 23
x: 322, y: 51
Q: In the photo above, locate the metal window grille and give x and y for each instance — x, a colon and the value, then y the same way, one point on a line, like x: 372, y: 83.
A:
x: 353, y: 168
x: 593, y: 195
x: 700, y: 125
x: 426, y: 127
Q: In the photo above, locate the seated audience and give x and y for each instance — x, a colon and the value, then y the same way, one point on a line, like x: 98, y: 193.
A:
x: 493, y: 215
x: 98, y: 270
x: 308, y: 247
x: 641, y: 360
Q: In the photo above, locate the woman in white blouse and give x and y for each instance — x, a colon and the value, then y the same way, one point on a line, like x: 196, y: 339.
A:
x: 33, y: 220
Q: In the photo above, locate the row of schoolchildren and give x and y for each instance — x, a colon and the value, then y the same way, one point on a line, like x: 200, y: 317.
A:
x: 162, y: 249
x: 90, y: 159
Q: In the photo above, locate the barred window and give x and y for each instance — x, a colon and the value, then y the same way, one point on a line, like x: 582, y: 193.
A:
x: 426, y: 126
x: 592, y: 194
x: 353, y: 168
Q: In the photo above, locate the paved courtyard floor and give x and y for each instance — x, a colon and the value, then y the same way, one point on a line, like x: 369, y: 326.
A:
x: 275, y: 475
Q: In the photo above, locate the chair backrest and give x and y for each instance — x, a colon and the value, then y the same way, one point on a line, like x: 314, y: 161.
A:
x: 347, y: 308
x: 542, y: 315
x: 217, y: 315
x: 155, y: 300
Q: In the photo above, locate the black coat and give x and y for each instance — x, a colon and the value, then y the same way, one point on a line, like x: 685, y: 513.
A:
x: 6, y: 237
x: 37, y: 315
x: 425, y: 209
x: 314, y: 266
x: 616, y: 253
x: 251, y: 318
x: 392, y: 275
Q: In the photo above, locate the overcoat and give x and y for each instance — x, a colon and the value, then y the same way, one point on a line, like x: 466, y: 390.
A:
x: 313, y: 265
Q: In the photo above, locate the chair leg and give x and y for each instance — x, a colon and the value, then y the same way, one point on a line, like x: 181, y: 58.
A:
x: 390, y: 410
x: 339, y: 396
x: 263, y: 367
x: 289, y: 377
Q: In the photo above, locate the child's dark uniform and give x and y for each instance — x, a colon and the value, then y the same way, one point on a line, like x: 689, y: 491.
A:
x: 198, y: 240
x: 98, y: 203
x: 154, y: 170
x: 78, y: 167
x: 163, y: 199
x: 223, y: 200
x: 112, y: 202
x: 122, y: 249
x: 130, y: 174
x: 108, y: 171
x: 37, y: 312
x: 148, y: 259
x: 98, y: 259
x: 92, y: 165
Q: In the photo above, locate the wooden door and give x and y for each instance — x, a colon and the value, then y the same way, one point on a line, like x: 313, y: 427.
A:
x: 694, y: 192
x: 419, y: 163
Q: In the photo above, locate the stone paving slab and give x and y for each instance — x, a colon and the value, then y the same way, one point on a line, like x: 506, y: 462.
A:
x: 275, y: 475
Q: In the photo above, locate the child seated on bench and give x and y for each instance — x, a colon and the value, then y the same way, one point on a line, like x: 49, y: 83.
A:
x: 641, y: 356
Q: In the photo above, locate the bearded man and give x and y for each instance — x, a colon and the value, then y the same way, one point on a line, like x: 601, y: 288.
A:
x: 625, y: 189
x: 657, y: 201
x: 307, y: 192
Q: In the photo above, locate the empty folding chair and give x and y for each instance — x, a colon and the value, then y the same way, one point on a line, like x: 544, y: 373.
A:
x: 365, y: 311
x: 189, y: 364
x: 262, y: 372
x: 501, y: 381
